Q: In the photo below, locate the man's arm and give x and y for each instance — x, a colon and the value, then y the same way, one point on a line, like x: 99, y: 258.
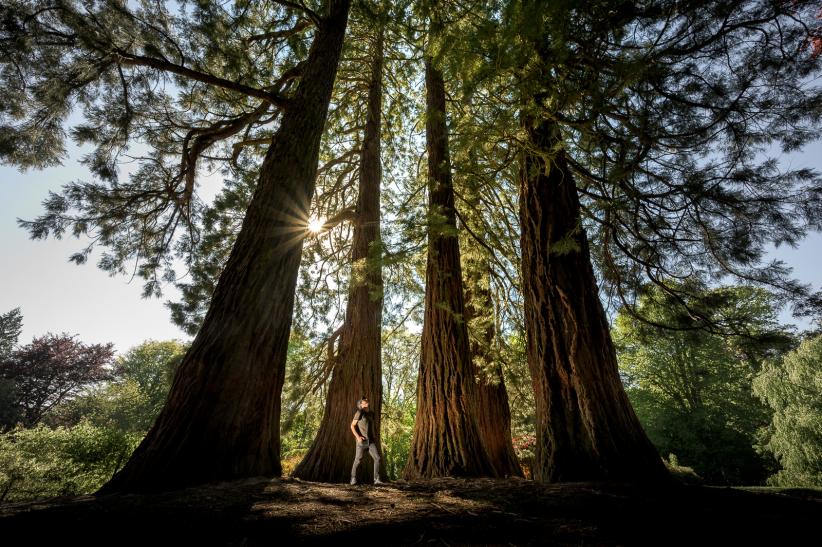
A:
x: 354, y: 430
x: 354, y: 425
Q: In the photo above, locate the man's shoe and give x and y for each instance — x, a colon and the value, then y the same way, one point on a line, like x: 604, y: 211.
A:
x: 353, y: 481
x: 378, y: 481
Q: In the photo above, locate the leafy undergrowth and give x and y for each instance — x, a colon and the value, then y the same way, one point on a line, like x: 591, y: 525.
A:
x: 266, y: 511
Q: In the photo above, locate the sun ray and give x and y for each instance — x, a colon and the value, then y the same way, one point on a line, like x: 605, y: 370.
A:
x: 315, y: 225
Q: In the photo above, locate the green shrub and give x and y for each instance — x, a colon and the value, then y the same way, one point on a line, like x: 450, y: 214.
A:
x: 793, y: 389
x: 395, y: 437
x: 43, y: 462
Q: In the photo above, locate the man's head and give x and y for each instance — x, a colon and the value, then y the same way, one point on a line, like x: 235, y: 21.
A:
x: 362, y: 403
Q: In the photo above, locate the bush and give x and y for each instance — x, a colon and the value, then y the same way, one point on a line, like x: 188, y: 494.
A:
x: 793, y: 389
x: 682, y: 473
x: 42, y: 462
x: 395, y: 437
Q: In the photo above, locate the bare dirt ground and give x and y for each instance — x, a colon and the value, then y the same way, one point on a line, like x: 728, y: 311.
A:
x: 273, y: 511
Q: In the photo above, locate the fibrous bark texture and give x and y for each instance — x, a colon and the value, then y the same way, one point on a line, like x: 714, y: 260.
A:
x: 357, y: 368
x: 446, y: 438
x: 586, y: 428
x: 221, y: 418
x: 492, y: 409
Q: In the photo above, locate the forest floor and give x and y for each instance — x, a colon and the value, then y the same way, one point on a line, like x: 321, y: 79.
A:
x: 265, y: 511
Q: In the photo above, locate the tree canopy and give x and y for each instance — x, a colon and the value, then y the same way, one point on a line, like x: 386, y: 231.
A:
x: 692, y: 390
x: 53, y: 368
x: 792, y: 388
x: 613, y: 146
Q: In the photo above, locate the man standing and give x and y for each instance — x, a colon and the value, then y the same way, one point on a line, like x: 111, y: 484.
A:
x: 361, y: 427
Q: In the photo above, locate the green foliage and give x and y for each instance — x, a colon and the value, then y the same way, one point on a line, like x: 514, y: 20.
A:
x: 520, y: 390
x: 11, y: 325
x: 400, y: 358
x: 120, y: 405
x: 397, y: 429
x: 142, y: 379
x: 151, y: 365
x: 793, y: 389
x: 181, y: 79
x: 692, y: 389
x: 302, y: 403
x: 84, y: 440
x: 43, y: 462
x: 665, y: 139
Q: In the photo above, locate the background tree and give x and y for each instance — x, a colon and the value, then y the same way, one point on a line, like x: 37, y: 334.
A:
x: 401, y: 359
x: 11, y: 325
x: 243, y: 341
x: 625, y: 101
x: 51, y: 369
x: 303, y: 399
x: 793, y: 390
x: 692, y: 390
x: 446, y: 439
x: 134, y: 394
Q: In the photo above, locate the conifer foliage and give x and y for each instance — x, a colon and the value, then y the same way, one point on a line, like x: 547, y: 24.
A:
x: 571, y: 149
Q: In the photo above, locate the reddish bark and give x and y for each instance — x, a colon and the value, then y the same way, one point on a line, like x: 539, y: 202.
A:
x: 221, y: 418
x: 492, y: 409
x: 358, y: 362
x: 586, y: 429
x: 446, y: 439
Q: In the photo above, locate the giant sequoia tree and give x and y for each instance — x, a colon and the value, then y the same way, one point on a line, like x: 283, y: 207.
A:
x: 446, y: 439
x: 221, y: 418
x: 228, y: 385
x: 640, y: 132
x: 356, y: 360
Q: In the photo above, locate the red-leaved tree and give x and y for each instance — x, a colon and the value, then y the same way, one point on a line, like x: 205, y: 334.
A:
x: 51, y: 369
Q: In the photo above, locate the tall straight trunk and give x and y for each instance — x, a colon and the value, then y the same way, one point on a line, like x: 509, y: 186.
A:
x: 357, y: 368
x: 492, y: 409
x: 586, y: 428
x: 221, y: 417
x: 446, y: 439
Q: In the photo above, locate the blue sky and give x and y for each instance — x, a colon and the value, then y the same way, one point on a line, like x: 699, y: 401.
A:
x: 56, y: 295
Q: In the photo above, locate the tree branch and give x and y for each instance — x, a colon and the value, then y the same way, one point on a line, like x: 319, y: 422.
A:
x: 313, y: 15
x: 126, y: 58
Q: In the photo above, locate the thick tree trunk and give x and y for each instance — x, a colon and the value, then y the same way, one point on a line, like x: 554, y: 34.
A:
x: 221, y: 417
x: 586, y: 428
x: 494, y: 421
x: 446, y: 438
x: 492, y: 409
x: 358, y: 363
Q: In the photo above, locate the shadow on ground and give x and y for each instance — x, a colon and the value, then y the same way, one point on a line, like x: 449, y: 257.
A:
x: 265, y: 511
